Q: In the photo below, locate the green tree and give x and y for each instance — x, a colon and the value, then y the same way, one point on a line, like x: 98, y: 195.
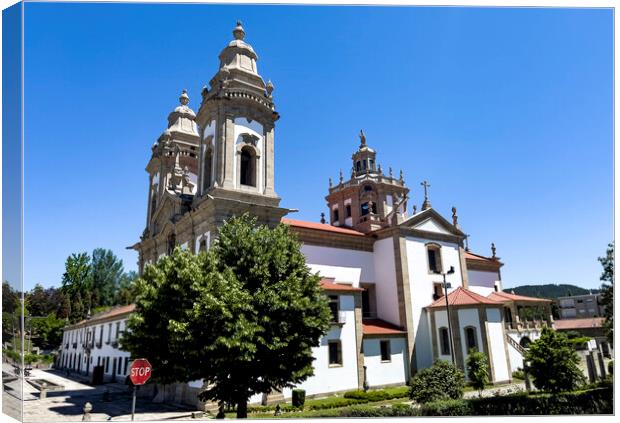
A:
x: 554, y: 363
x: 477, y: 370
x: 441, y: 381
x: 47, y: 331
x: 126, y: 292
x: 77, y: 308
x: 246, y: 314
x: 106, y: 273
x: 607, y: 290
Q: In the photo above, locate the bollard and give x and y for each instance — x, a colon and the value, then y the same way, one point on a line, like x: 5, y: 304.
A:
x: 88, y: 407
x: 43, y: 393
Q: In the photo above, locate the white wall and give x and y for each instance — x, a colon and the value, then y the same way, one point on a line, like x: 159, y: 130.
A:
x: 385, y: 373
x: 385, y: 281
x: 339, y: 257
x: 496, y: 341
x: 107, y: 349
x: 469, y: 317
x: 441, y: 320
x: 330, y: 379
x: 347, y: 275
x: 516, y: 359
x: 482, y: 282
x: 421, y: 286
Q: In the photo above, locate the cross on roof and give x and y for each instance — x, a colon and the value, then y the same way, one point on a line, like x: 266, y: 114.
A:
x: 426, y: 204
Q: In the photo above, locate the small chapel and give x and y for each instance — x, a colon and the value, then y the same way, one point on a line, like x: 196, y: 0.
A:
x: 403, y: 288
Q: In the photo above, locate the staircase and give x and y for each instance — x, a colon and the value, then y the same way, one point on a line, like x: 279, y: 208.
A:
x: 515, y: 345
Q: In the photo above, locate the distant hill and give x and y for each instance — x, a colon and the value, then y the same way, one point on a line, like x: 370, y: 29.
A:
x: 551, y: 291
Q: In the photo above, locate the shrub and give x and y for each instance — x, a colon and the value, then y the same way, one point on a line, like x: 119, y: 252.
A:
x: 554, y: 363
x: 299, y: 398
x: 379, y: 394
x: 441, y: 381
x: 477, y: 370
x: 610, y: 367
x: 397, y: 410
x: 518, y: 374
x: 451, y: 407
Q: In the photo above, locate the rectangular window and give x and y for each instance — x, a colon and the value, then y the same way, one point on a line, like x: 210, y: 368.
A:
x: 107, y: 364
x: 109, y: 332
x: 118, y: 329
x: 334, y: 306
x: 432, y: 260
x: 386, y: 354
x: 100, y: 334
x: 98, y: 361
x: 336, y: 215
x: 437, y: 291
x: 335, y: 353
x: 348, y: 210
x: 444, y: 340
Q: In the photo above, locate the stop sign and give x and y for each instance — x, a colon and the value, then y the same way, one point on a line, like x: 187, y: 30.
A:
x: 140, y: 371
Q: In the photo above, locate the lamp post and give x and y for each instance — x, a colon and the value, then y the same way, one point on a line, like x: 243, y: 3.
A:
x: 447, y: 285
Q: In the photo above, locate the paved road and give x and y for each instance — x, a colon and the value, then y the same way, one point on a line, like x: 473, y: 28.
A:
x: 67, y: 404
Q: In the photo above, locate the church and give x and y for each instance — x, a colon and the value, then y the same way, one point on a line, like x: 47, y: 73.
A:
x: 403, y: 288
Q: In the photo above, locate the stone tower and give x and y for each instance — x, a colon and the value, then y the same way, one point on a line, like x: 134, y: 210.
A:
x: 173, y: 167
x: 218, y: 163
x: 369, y: 200
x: 237, y: 119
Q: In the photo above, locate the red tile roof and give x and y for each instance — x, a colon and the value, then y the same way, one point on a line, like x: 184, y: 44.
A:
x: 380, y: 327
x: 116, y: 311
x: 461, y: 296
x: 585, y: 323
x: 320, y: 227
x: 505, y: 297
x: 471, y: 256
x: 328, y: 284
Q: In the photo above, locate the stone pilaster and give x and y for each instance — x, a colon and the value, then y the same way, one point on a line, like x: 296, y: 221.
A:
x: 404, y: 298
x: 269, y: 161
x: 359, y: 339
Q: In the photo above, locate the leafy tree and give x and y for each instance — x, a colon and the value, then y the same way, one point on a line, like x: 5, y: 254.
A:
x: 64, y: 306
x: 607, y: 290
x: 125, y: 294
x: 554, y: 363
x: 441, y: 381
x: 245, y: 314
x: 47, y: 331
x: 106, y: 273
x: 477, y: 370
x: 77, y: 280
x: 77, y: 309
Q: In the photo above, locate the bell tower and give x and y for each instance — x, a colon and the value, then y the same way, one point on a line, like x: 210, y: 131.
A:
x: 369, y: 200
x: 237, y: 120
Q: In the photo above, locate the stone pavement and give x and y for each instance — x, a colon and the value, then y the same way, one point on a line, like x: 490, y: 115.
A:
x: 67, y: 404
x: 500, y: 390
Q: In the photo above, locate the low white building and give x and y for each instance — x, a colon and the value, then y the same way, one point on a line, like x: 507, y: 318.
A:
x: 95, y: 343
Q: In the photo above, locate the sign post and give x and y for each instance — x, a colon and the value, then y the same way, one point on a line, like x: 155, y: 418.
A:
x: 139, y: 373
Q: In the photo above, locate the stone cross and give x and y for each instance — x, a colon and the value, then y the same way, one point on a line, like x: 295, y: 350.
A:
x: 426, y: 204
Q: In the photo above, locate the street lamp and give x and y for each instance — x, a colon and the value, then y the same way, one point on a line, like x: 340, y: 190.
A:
x: 447, y: 285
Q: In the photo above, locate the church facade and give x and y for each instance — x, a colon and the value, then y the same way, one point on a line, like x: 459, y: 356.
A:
x: 382, y: 267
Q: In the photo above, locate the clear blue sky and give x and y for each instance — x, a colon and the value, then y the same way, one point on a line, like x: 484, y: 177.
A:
x: 507, y: 112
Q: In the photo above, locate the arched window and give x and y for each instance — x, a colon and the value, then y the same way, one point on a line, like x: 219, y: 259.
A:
x: 471, y: 338
x: 248, y: 167
x: 444, y: 341
x: 207, y: 166
x: 525, y: 342
x: 203, y: 245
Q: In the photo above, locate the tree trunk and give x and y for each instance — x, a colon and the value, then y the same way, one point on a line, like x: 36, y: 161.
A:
x: 242, y: 409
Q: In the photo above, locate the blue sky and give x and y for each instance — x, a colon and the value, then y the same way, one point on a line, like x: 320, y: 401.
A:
x: 507, y: 113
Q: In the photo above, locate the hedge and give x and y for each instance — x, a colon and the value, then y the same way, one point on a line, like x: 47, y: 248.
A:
x: 349, y: 398
x: 596, y: 401
x: 396, y: 410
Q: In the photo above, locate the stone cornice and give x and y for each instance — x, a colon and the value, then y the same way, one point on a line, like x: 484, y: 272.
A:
x: 333, y: 239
